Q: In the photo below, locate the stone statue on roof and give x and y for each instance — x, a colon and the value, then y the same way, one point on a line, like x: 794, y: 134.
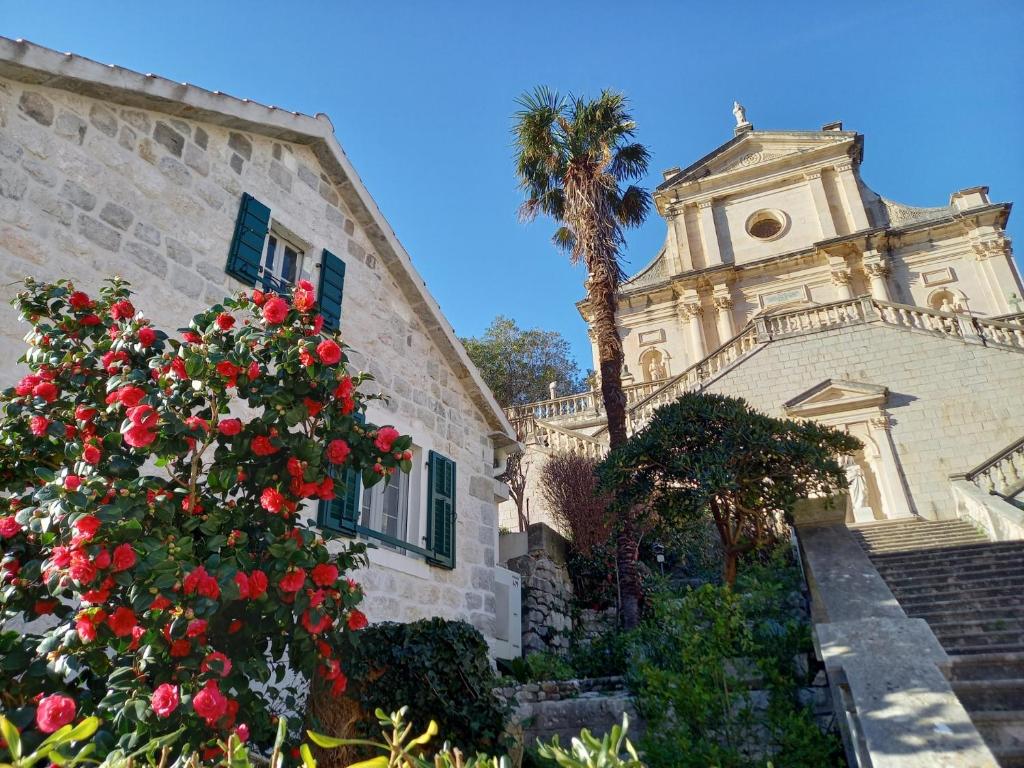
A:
x: 740, y: 112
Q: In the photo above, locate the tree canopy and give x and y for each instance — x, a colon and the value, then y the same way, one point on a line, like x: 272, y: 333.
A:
x: 708, y: 454
x: 519, y: 363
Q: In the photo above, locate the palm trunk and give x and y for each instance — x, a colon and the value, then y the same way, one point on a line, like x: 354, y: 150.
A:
x: 609, y: 347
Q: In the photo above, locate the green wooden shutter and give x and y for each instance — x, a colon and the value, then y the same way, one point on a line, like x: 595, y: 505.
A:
x: 342, y: 512
x: 247, y: 243
x: 441, y: 510
x: 332, y: 286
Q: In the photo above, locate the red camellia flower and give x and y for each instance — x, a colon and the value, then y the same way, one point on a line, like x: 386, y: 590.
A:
x: 122, y: 621
x: 356, y: 619
x: 303, y: 299
x: 86, y: 630
x: 87, y: 525
x: 337, y: 451
x: 84, y: 413
x: 159, y: 603
x: 225, y: 321
x: 38, y: 425
x: 315, y: 628
x: 229, y: 427
x: 90, y: 320
x: 313, y: 407
x: 293, y: 580
x: 196, y: 627
x: 272, y: 500
x: 91, y: 454
x: 328, y: 351
x: 54, y: 712
x: 72, y: 482
x: 306, y: 357
x: 47, y: 390
x: 127, y: 396
x: 242, y: 582
x: 146, y: 336
x: 216, y: 660
x: 257, y: 584
x: 324, y: 574
x: 386, y: 437
x: 102, y: 559
x: 165, y: 699
x: 122, y: 310
x: 275, y: 310
x: 262, y: 446
x: 79, y: 300
x: 9, y: 527
x: 45, y: 607
x: 139, y: 437
x: 192, y: 337
x: 124, y: 557
x: 202, y: 583
x: 196, y: 423
x: 258, y: 297
x: 210, y: 704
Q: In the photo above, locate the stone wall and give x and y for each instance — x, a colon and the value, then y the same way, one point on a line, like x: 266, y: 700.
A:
x: 952, y: 404
x: 546, y: 589
x: 90, y: 188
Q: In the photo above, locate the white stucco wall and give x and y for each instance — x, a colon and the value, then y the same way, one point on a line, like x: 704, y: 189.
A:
x: 90, y: 189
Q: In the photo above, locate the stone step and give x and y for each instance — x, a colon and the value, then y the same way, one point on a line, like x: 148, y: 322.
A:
x: 976, y: 598
x: 1010, y: 581
x: 952, y: 558
x: 916, y: 543
x: 952, y: 641
x: 972, y: 569
x: 996, y: 549
x: 913, y: 528
x: 1006, y: 694
x: 1000, y: 727
x: 982, y: 625
x: 967, y: 651
x: 958, y: 612
x: 985, y: 666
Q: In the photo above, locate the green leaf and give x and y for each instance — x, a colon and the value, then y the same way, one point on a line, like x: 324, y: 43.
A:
x: 307, y: 756
x: 11, y: 736
x: 332, y: 741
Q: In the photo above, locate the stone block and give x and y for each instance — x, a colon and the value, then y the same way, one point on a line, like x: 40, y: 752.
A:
x: 117, y: 216
x: 201, y: 138
x: 147, y: 258
x: 10, y: 149
x: 126, y: 138
x: 281, y: 175
x: 37, y: 106
x: 40, y: 171
x: 309, y: 178
x: 240, y: 144
x: 103, y: 120
x: 71, y: 126
x: 212, y: 271
x: 327, y: 193
x: 99, y: 233
x: 147, y: 234
x: 175, y: 171
x: 61, y: 210
x: 13, y: 183
x: 236, y: 163
x: 196, y: 159
x: 168, y: 138
x: 138, y: 120
x: 79, y: 196
x: 179, y: 252
x: 185, y: 281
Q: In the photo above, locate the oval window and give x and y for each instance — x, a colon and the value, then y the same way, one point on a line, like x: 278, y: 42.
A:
x: 766, y: 225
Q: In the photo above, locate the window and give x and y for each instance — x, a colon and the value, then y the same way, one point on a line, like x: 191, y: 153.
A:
x: 281, y: 262
x: 385, y: 507
x: 766, y: 225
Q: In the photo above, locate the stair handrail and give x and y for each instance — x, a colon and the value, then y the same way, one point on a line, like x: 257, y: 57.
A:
x: 1002, y: 473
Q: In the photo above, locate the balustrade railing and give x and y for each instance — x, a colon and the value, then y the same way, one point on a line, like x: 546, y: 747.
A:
x: 1003, y: 473
x: 644, y: 398
x: 560, y: 440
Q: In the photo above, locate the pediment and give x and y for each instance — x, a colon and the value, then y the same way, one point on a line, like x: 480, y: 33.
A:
x: 836, y: 396
x: 758, y: 148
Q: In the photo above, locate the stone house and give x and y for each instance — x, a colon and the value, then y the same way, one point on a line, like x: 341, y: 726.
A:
x: 786, y: 280
x: 192, y: 195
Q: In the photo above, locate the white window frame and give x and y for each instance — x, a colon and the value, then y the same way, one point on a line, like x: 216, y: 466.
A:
x: 279, y: 240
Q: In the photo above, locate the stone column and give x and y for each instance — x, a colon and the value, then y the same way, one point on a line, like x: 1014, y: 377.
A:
x: 890, y: 479
x: 841, y: 280
x: 995, y: 261
x: 708, y: 233
x: 693, y: 313
x: 850, y: 191
x: 877, y: 269
x: 825, y: 222
x: 726, y: 326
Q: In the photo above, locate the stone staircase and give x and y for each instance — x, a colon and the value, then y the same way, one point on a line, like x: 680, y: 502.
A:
x: 971, y: 593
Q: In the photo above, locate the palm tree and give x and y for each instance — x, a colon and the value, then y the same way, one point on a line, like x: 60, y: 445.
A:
x: 573, y: 157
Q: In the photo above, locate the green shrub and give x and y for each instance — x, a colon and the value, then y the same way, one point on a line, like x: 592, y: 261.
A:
x: 538, y: 666
x: 440, y: 669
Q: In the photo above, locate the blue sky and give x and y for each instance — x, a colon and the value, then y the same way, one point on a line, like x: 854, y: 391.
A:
x: 422, y: 93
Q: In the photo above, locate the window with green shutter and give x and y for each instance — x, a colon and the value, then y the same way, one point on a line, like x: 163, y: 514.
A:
x: 341, y: 513
x: 441, y: 510
x: 332, y: 286
x: 246, y: 250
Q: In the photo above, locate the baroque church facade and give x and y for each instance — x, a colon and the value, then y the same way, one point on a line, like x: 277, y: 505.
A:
x: 786, y: 280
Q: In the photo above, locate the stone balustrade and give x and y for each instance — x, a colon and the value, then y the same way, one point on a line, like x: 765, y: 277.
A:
x: 645, y: 398
x: 1003, y: 473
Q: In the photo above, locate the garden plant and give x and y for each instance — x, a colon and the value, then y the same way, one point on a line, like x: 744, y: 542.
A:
x: 159, y: 575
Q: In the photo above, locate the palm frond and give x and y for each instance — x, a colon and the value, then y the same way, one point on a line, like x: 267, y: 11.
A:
x: 564, y: 239
x: 629, y: 161
x: 633, y: 206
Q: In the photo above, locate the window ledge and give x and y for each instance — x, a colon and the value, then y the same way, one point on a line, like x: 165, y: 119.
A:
x: 396, y: 561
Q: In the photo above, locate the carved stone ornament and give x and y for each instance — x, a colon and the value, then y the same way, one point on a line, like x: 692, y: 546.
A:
x: 876, y: 268
x: 841, y: 276
x: 723, y: 303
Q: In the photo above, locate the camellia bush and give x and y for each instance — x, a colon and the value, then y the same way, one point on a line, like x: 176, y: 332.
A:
x: 156, y: 568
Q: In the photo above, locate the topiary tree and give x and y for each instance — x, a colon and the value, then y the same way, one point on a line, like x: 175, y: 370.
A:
x: 155, y: 566
x: 714, y: 455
